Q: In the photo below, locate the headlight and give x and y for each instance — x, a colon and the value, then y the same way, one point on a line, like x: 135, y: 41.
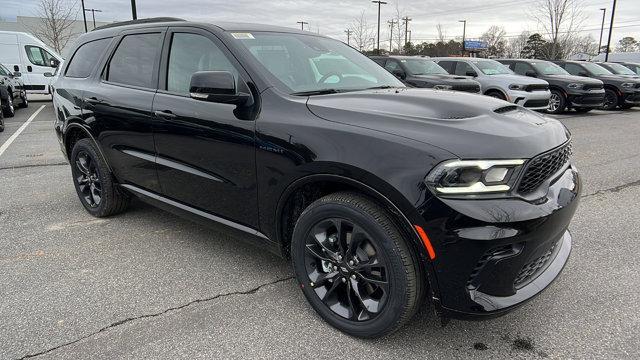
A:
x: 473, y: 176
x: 575, y: 86
x: 517, y: 87
x: 443, y: 87
x: 628, y: 85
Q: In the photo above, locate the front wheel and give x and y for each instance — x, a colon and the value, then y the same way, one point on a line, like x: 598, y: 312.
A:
x: 24, y: 102
x: 354, y: 267
x: 557, y: 102
x: 610, y: 100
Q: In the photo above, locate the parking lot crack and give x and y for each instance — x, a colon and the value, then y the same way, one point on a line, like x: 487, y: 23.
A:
x: 613, y: 189
x: 156, y: 314
x: 32, y: 166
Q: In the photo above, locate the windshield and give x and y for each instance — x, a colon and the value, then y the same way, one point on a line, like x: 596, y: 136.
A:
x: 491, y: 67
x: 620, y: 69
x: 306, y: 63
x: 596, y: 69
x: 423, y: 67
x: 549, y: 68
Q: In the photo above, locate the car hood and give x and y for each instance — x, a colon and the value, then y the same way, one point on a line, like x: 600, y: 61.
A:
x: 467, y: 125
x: 517, y: 79
x: 573, y: 79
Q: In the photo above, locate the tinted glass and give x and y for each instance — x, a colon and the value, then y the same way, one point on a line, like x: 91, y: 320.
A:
x: 521, y: 68
x: 462, y: 68
x: 448, y: 66
x: 549, y: 68
x: 423, y: 67
x: 392, y: 65
x: 573, y: 69
x: 491, y: 67
x: 134, y: 60
x: 86, y: 58
x: 191, y: 53
x: 620, y: 69
x: 596, y: 69
x: 302, y: 63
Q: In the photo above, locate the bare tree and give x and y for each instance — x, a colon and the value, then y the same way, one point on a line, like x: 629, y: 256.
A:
x: 57, y: 18
x: 516, y: 45
x: 362, y: 32
x: 496, y: 43
x: 398, y: 31
x: 442, y: 34
x: 627, y: 44
x: 583, y: 45
x: 561, y: 22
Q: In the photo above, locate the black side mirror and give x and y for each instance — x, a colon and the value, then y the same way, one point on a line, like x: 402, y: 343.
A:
x: 531, y: 73
x: 17, y: 74
x: 472, y: 73
x: 398, y: 73
x: 54, y: 63
x: 216, y: 86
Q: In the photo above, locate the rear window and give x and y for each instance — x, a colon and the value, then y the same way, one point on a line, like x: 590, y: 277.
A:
x: 134, y: 60
x: 85, y: 58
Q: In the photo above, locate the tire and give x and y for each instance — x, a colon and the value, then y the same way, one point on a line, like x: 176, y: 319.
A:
x: 8, y: 109
x: 24, y: 102
x: 94, y: 184
x: 610, y: 100
x: 496, y: 94
x: 1, y: 117
x: 378, y: 238
x: 583, y: 110
x: 557, y: 102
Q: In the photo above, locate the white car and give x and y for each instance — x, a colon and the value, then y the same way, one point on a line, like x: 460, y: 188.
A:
x: 26, y: 54
x: 500, y: 82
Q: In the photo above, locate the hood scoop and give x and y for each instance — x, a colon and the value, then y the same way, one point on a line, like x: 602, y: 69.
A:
x: 505, y: 109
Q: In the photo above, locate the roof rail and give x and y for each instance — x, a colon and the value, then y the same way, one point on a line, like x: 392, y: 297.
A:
x: 140, y: 21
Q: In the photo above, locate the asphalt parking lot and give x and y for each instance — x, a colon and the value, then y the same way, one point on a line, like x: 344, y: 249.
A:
x: 147, y: 284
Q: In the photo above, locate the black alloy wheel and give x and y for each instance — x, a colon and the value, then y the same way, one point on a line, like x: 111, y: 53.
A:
x: 88, y: 179
x: 354, y: 267
x: 557, y: 102
x: 610, y: 100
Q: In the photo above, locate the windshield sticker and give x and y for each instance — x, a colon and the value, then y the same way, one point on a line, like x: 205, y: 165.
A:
x: 242, y: 36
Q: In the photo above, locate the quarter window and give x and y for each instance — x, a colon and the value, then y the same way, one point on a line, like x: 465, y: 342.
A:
x: 134, y: 60
x: 86, y: 58
x: 38, y: 56
x: 191, y: 53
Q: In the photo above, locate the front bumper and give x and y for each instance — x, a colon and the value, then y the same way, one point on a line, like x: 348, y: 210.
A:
x: 632, y: 98
x: 587, y: 99
x: 534, y: 100
x: 494, y: 255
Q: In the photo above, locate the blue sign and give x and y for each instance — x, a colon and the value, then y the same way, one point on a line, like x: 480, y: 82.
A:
x: 475, y: 45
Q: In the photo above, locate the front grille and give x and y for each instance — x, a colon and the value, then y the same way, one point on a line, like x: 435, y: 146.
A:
x: 532, y: 269
x: 537, y: 87
x: 595, y: 99
x: 501, y: 251
x: 542, y: 167
x: 593, y: 87
x: 537, y: 103
x: 467, y: 88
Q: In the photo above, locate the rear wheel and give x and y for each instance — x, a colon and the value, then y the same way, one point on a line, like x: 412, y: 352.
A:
x: 98, y: 192
x: 610, y: 100
x: 354, y: 267
x: 557, y: 102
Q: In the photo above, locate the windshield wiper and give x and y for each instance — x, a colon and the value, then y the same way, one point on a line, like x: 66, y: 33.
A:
x: 381, y: 87
x: 317, y: 92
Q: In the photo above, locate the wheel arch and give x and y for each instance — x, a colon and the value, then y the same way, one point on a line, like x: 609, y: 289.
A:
x: 558, y: 88
x: 495, y: 89
x: 76, y: 131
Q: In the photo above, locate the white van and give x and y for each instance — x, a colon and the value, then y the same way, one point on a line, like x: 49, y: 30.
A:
x: 23, y: 52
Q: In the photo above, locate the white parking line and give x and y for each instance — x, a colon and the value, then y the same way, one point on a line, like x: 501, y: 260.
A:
x: 20, y: 130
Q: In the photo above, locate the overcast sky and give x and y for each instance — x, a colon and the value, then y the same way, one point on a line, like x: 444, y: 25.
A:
x: 332, y: 17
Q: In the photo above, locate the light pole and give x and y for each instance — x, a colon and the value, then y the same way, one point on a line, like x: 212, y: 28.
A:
x: 84, y: 16
x: 379, y: 3
x: 406, y: 20
x: 613, y: 14
x: 93, y: 14
x: 391, y: 23
x: 302, y: 24
x: 134, y: 13
x: 464, y: 34
x: 604, y: 12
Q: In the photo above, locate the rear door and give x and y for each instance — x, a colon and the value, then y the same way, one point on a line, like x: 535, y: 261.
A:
x: 206, y: 150
x: 118, y: 106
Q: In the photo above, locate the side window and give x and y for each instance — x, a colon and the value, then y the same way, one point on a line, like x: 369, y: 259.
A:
x: 134, y: 60
x: 448, y: 65
x: 36, y: 55
x: 392, y: 66
x: 3, y: 72
x: 462, y: 68
x: 191, y: 53
x: 85, y: 58
x: 573, y: 69
x: 521, y: 68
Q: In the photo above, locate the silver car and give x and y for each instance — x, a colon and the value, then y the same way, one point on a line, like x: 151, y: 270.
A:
x: 499, y: 81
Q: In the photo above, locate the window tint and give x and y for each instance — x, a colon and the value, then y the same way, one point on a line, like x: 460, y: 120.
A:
x: 86, y: 58
x: 462, y: 68
x: 191, y: 53
x: 448, y: 65
x: 134, y: 60
x: 38, y: 56
x: 392, y: 65
x: 573, y: 69
x: 521, y: 68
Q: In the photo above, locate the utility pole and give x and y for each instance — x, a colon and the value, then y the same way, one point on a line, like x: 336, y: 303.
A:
x: 134, y: 13
x: 406, y: 20
x: 93, y: 14
x: 604, y: 12
x: 464, y: 34
x: 409, y: 35
x: 348, y: 32
x: 391, y: 23
x: 379, y: 3
x: 613, y: 14
x: 302, y: 24
x: 84, y: 16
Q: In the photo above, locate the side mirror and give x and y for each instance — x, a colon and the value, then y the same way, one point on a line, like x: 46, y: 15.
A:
x: 54, y: 63
x: 48, y: 74
x: 472, y: 73
x: 216, y: 86
x: 17, y: 74
x: 531, y: 73
x: 399, y: 74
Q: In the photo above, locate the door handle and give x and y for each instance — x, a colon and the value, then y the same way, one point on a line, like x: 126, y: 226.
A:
x: 92, y: 100
x: 29, y: 68
x: 166, y: 114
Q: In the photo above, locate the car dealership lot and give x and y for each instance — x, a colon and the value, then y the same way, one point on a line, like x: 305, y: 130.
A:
x: 149, y: 284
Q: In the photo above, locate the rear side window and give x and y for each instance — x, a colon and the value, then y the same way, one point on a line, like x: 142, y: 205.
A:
x: 38, y: 56
x: 447, y: 65
x: 133, y: 62
x: 522, y: 68
x: 462, y: 68
x: 86, y: 58
x: 573, y: 69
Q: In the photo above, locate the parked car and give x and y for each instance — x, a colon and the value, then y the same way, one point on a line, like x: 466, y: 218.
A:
x: 382, y: 195
x: 619, y: 69
x: 24, y: 53
x: 498, y: 81
x: 567, y: 91
x: 425, y: 73
x: 620, y: 91
x: 12, y: 91
x: 1, y: 114
x: 635, y: 67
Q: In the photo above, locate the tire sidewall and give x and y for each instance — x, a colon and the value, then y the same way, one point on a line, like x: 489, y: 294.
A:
x: 609, y: 92
x: 397, y: 297
x: 562, y: 105
x: 103, y: 173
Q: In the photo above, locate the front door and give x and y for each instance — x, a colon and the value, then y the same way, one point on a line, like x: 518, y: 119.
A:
x: 38, y: 62
x: 205, y: 150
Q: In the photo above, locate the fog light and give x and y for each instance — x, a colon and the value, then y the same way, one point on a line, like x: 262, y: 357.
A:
x: 495, y: 174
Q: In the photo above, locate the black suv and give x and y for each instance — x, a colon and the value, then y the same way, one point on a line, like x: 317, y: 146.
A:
x: 567, y: 91
x: 12, y: 92
x: 620, y: 91
x: 381, y: 195
x: 424, y: 73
